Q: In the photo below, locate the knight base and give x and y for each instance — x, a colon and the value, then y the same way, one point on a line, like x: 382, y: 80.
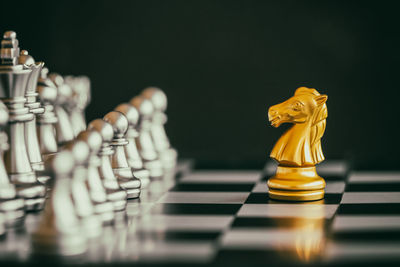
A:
x: 296, y: 184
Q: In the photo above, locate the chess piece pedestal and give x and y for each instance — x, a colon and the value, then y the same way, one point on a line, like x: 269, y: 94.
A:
x: 296, y: 184
x: 122, y: 170
x: 115, y: 193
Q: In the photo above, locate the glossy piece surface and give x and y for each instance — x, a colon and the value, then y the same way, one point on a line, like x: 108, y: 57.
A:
x: 299, y: 149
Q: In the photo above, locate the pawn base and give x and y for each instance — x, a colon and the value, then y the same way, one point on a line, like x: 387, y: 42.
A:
x: 105, y: 210
x: 117, y: 197
x: 31, y: 190
x: 143, y: 175
x: 133, y: 193
x: 35, y: 204
x: 43, y: 179
x: 13, y: 211
x: 168, y: 158
x: 131, y: 186
x: 155, y: 168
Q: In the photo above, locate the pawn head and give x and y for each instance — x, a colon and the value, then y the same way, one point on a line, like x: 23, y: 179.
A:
x: 79, y: 149
x: 118, y: 122
x: 47, y: 94
x: 92, y: 139
x: 144, y: 106
x: 103, y: 128
x: 130, y: 112
x: 56, y: 78
x: 62, y: 163
x: 64, y: 91
x: 157, y: 98
x: 25, y: 59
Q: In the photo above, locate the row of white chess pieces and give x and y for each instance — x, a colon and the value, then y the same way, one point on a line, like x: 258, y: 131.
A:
x: 93, y: 175
x: 91, y: 170
x: 110, y: 162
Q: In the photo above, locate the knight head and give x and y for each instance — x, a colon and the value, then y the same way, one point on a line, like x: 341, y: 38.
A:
x: 307, y: 105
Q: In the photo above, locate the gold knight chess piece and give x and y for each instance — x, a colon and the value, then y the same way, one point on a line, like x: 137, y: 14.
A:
x: 299, y: 149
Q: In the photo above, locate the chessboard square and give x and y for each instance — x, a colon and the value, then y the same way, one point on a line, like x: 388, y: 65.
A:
x: 172, y: 252
x: 332, y: 167
x: 374, y: 177
x: 367, y: 252
x: 369, y: 209
x: 258, y: 198
x: 190, y: 236
x: 335, y: 187
x: 183, y: 167
x: 373, y: 187
x: 332, y: 198
x: 270, y: 168
x: 284, y: 210
x: 222, y: 176
x: 260, y: 187
x: 333, y: 178
x: 191, y: 209
x: 212, y: 187
x: 137, y: 208
x: 367, y: 235
x: 243, y: 238
x: 254, y: 257
x: 348, y: 223
x: 281, y: 222
x: 160, y: 223
x: 205, y: 197
x: 370, y: 197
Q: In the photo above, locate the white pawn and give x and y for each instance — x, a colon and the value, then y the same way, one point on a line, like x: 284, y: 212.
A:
x: 115, y: 193
x: 46, y: 121
x: 119, y: 163
x: 59, y: 231
x: 64, y: 130
x: 144, y: 140
x: 79, y: 99
x: 131, y: 150
x: 98, y: 194
x: 167, y: 154
x: 91, y: 223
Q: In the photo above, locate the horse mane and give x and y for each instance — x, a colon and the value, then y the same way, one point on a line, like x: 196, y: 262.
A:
x: 318, y: 124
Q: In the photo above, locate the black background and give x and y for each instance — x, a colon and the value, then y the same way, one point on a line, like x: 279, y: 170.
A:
x: 222, y: 63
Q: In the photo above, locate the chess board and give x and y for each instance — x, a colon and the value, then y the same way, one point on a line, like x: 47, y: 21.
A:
x: 223, y: 217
